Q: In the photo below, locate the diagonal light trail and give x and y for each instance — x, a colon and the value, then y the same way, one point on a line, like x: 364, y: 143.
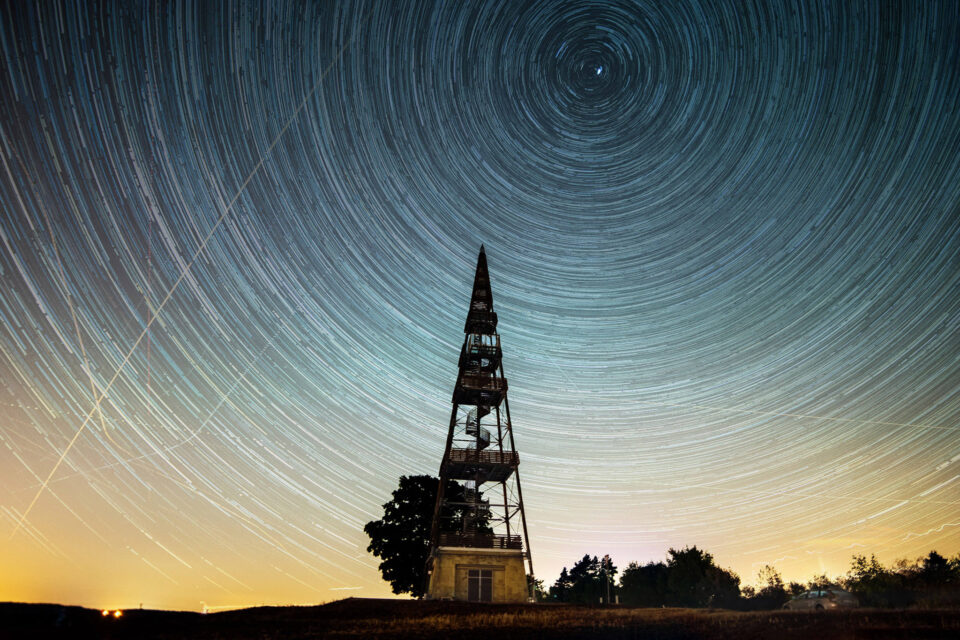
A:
x: 184, y: 273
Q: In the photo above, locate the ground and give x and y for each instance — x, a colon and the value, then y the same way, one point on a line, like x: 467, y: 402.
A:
x: 368, y: 618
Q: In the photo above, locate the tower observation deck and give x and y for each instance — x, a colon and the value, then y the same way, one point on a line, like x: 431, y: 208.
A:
x: 480, y: 556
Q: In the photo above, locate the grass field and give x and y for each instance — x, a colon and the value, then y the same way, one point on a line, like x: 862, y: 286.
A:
x: 367, y: 618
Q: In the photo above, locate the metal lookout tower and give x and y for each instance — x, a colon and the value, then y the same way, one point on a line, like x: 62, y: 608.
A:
x: 483, y: 558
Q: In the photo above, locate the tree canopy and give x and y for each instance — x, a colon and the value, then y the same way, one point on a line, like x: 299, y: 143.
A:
x: 586, y: 582
x: 401, y: 538
x: 644, y: 585
x: 695, y: 581
x: 772, y: 593
x: 932, y: 581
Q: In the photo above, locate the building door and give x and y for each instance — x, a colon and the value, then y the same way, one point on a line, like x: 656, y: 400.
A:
x: 480, y: 585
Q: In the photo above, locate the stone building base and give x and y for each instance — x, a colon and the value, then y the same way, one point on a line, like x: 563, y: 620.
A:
x: 482, y: 575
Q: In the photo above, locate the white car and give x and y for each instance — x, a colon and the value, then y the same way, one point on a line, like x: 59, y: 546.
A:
x: 820, y: 600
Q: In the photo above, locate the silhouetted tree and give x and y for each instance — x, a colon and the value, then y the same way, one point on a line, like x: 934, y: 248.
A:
x: 560, y: 591
x: 401, y: 539
x: 866, y: 575
x: 644, y: 586
x: 877, y: 586
x: 931, y: 581
x: 585, y: 581
x: 772, y: 593
x: 608, y: 572
x: 820, y: 582
x: 725, y: 587
x: 939, y: 580
x: 695, y: 581
x: 935, y: 571
x: 539, y: 594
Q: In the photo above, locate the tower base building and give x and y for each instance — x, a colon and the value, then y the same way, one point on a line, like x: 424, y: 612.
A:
x: 478, y: 575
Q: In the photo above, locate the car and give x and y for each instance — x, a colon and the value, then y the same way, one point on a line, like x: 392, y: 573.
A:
x: 823, y: 599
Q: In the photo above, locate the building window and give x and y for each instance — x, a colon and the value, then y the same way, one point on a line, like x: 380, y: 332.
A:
x: 480, y: 585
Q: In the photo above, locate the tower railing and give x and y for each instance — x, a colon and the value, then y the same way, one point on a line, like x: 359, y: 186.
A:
x: 484, y: 457
x: 476, y: 345
x: 480, y: 389
x: 481, y: 540
x: 483, y: 382
x: 484, y: 322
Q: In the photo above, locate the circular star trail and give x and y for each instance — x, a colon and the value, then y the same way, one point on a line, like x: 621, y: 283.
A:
x: 236, y: 250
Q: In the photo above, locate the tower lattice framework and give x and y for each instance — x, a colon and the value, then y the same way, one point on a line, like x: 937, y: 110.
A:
x: 480, y: 452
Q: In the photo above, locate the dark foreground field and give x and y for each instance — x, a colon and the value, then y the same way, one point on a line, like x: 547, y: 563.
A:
x: 367, y: 618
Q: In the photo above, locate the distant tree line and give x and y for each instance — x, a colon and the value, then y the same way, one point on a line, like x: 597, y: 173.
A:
x: 690, y: 578
x: 930, y: 581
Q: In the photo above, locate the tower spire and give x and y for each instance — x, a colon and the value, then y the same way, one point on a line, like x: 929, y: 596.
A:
x: 481, y: 284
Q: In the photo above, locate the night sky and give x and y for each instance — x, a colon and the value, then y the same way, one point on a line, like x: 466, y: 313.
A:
x: 237, y: 244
